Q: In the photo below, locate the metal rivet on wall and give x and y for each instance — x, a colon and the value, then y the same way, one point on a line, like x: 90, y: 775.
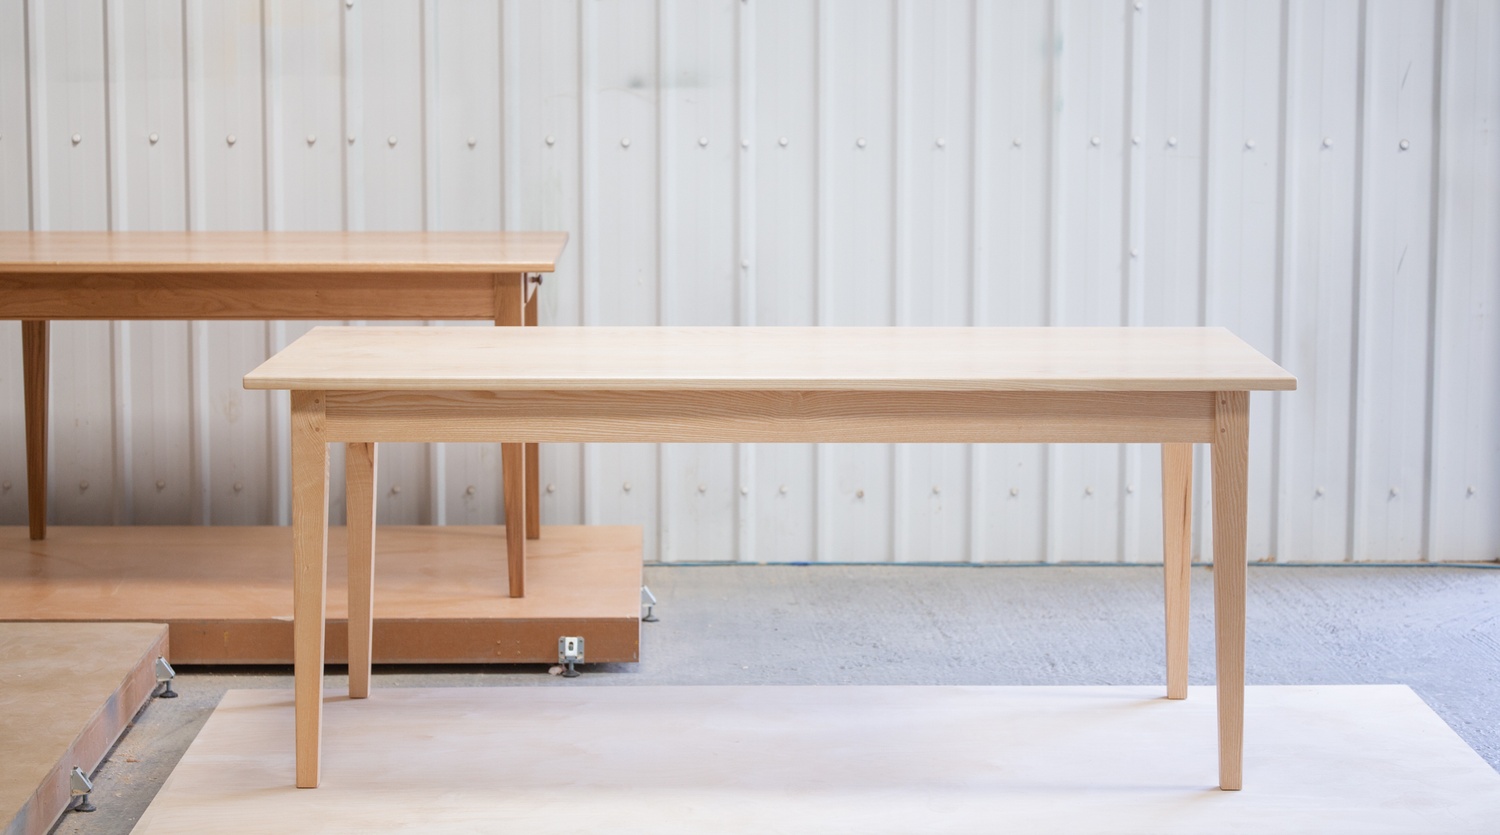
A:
x: 626, y: 487
x: 469, y: 491
x: 703, y: 488
x: 83, y: 485
x: 1015, y: 491
x: 781, y: 489
x: 1395, y: 492
x: 781, y: 142
x: 625, y: 142
x: 239, y: 486
x: 550, y: 140
x: 860, y: 142
x: 1469, y: 492
x: 744, y: 491
x: 161, y: 485
x: 391, y: 140
x: 472, y: 142
x: 1095, y: 141
x: 1134, y: 252
x: 312, y: 139
x: 395, y: 490
x: 6, y: 486
x: 77, y: 138
x: 1088, y: 491
x: 552, y: 488
x: 1405, y: 145
x: 1171, y: 142
x: 702, y: 142
x: 348, y: 4
x: 1327, y: 142
x: 1135, y: 140
x: 745, y: 143
x: 1139, y: 5
x: 859, y: 494
x: 1250, y: 144
x: 153, y: 139
x: 1129, y: 489
x: 1016, y: 143
x: 351, y: 139
x: 745, y: 264
x: 941, y: 142
x: 936, y: 490
x: 230, y: 139
x: 1317, y: 492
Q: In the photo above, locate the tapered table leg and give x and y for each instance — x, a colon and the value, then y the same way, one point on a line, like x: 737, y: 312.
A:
x: 533, y: 451
x: 309, y: 576
x: 34, y: 359
x: 510, y: 310
x: 1231, y: 466
x: 360, y: 468
x: 1177, y: 523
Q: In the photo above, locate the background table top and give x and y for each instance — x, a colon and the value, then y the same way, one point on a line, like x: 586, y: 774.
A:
x: 786, y: 359
x: 267, y: 252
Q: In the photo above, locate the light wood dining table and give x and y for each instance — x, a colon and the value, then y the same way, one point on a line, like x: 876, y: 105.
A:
x: 1172, y: 386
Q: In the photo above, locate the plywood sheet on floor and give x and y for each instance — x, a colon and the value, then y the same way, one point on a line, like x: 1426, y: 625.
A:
x: 67, y: 690
x: 1366, y: 759
x: 440, y: 592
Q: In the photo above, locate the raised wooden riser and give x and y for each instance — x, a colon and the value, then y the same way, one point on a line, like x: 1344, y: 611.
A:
x: 440, y: 592
x: 67, y: 691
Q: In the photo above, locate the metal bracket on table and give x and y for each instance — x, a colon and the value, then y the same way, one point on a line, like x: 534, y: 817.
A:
x: 649, y: 601
x: 533, y: 284
x: 164, y: 676
x: 79, y: 786
x: 570, y: 652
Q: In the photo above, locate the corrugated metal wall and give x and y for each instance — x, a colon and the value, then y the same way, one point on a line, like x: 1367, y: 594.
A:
x: 1322, y: 177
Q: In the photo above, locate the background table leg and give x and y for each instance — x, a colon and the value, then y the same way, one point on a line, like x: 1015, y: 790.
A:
x: 533, y: 451
x: 513, y: 462
x: 34, y: 359
x: 1231, y: 466
x: 1177, y: 523
x: 360, y: 469
x: 309, y: 576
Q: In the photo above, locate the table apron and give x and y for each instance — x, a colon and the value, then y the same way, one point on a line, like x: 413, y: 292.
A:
x: 726, y: 416
x: 250, y: 295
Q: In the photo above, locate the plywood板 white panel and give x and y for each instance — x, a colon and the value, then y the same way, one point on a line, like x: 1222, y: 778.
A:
x: 934, y: 267
x: 305, y: 119
x: 1365, y: 267
x: 783, y: 263
x: 1465, y: 486
x: 542, y: 146
x: 1395, y: 281
x: 1013, y: 204
x: 1321, y: 221
x: 1084, y: 484
x: 700, y: 272
x: 861, y: 54
x: 1242, y: 277
x: 15, y: 157
x: 623, y: 138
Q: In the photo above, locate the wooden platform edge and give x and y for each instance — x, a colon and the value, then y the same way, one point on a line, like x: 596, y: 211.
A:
x: 413, y: 641
x: 40, y: 813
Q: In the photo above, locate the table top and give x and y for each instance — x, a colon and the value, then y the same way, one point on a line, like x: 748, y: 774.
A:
x: 783, y: 359
x: 279, y: 252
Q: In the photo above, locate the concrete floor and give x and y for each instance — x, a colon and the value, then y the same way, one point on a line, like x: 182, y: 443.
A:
x: 1436, y: 629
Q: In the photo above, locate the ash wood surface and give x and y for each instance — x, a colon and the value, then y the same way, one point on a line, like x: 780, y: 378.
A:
x: 34, y: 338
x: 361, y: 465
x: 309, y: 573
x: 31, y: 253
x: 960, y: 385
x: 1177, y: 528
x: 226, y: 592
x: 67, y: 692
x: 773, y: 359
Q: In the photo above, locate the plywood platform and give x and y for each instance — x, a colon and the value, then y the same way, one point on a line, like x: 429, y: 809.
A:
x: 67, y: 691
x: 440, y: 592
x: 664, y: 760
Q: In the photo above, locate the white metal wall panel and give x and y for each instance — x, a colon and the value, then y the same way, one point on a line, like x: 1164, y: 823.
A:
x: 1321, y: 177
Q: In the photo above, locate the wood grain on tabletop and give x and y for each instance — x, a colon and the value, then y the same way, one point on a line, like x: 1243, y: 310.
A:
x: 639, y: 358
x: 162, y: 252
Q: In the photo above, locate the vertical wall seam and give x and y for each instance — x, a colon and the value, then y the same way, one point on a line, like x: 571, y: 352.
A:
x: 1353, y: 538
x: 665, y: 188
x: 1051, y: 507
x: 979, y: 215
x: 1285, y: 240
x: 822, y: 459
x: 1435, y: 211
x: 745, y: 101
x: 900, y: 454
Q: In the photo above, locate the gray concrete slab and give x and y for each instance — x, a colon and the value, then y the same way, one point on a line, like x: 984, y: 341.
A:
x: 1434, y: 628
